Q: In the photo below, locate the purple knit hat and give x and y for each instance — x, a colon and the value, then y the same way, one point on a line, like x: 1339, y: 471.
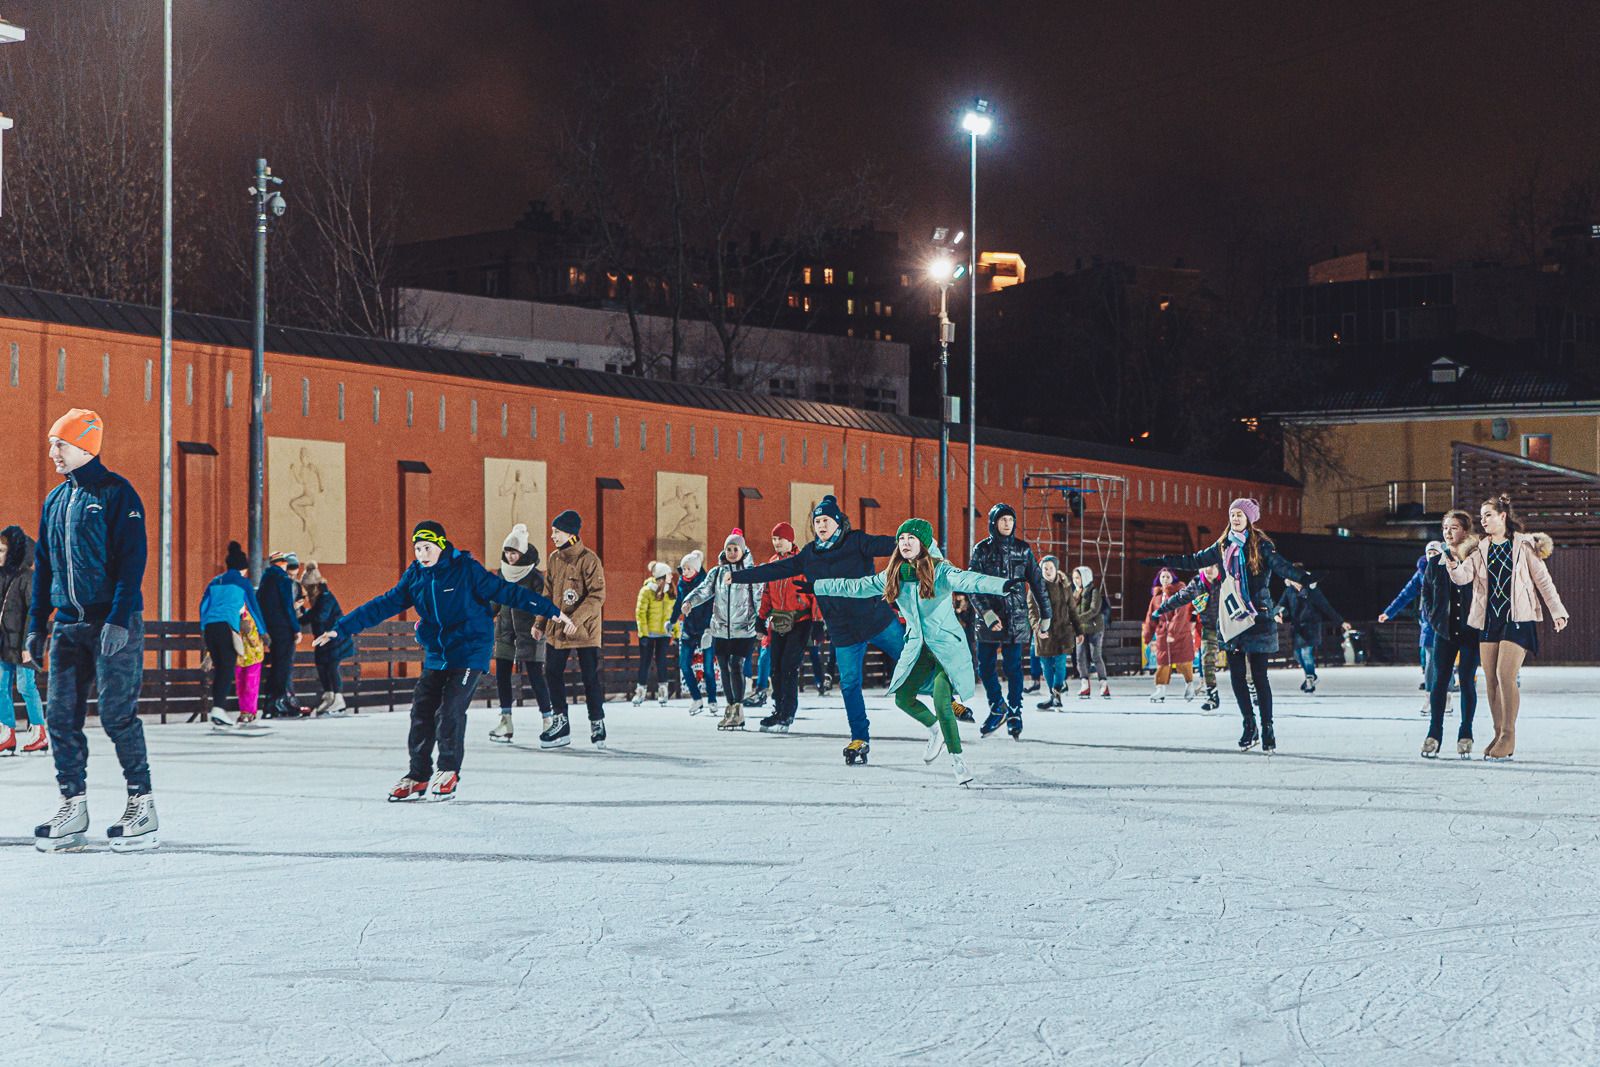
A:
x: 1251, y: 508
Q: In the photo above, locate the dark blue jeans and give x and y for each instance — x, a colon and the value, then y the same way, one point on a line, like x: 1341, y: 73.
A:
x: 1011, y: 655
x: 1443, y: 656
x: 890, y: 640
x: 75, y: 660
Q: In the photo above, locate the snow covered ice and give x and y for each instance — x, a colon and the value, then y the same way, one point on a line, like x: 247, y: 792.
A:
x: 1121, y: 887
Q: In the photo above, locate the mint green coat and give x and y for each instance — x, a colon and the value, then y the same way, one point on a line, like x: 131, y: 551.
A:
x: 931, y: 623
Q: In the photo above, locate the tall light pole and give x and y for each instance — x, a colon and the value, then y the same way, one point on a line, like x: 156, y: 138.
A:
x: 268, y: 205
x: 977, y: 122
x: 166, y: 526
x: 944, y: 271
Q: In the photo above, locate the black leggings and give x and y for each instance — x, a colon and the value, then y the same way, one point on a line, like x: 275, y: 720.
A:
x: 505, y: 680
x: 219, y: 642
x: 1257, y: 664
x: 653, y: 648
x: 731, y: 654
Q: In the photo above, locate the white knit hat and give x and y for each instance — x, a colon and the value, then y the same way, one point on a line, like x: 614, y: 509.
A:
x: 659, y: 570
x: 693, y: 559
x: 517, y: 538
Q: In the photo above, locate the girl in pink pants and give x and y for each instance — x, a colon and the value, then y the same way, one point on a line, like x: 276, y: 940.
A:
x: 247, y: 668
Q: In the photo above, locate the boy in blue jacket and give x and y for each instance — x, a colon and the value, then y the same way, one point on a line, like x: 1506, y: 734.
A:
x: 451, y: 593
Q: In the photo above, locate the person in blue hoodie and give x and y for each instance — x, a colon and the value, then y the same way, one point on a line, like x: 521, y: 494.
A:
x: 227, y: 596
x: 451, y: 593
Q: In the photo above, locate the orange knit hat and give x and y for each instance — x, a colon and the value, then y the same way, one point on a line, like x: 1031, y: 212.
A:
x: 80, y: 427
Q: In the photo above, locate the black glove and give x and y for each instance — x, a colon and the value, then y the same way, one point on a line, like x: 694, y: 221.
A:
x: 1015, y: 585
x: 36, y: 647
x: 802, y: 585
x: 113, y: 639
x: 761, y: 625
x: 1153, y: 561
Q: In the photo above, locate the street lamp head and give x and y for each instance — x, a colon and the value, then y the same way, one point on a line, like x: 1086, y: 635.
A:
x: 977, y: 120
x: 945, y: 270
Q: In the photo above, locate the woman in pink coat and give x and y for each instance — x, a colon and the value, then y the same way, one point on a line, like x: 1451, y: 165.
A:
x: 1172, y: 634
x: 1508, y: 579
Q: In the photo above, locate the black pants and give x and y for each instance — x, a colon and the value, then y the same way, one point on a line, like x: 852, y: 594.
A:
x: 1444, y: 659
x: 328, y: 680
x: 653, y: 648
x: 279, y: 666
x: 731, y: 654
x: 555, y: 672
x: 439, y: 715
x: 1256, y: 662
x: 505, y: 683
x: 786, y: 652
x: 219, y: 642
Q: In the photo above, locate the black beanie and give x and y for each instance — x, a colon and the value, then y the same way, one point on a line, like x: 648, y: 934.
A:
x: 568, y: 522
x: 430, y: 531
x: 237, y: 559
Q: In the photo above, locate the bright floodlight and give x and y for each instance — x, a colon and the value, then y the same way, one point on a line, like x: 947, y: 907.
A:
x: 944, y: 270
x: 978, y: 121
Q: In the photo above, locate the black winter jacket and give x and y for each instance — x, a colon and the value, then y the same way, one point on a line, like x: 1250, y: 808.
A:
x: 1007, y: 557
x: 324, y: 615
x: 16, y: 595
x: 277, y: 596
x: 1263, y: 636
x: 1305, y: 613
x: 1445, y: 605
x: 1200, y: 593
x: 853, y: 554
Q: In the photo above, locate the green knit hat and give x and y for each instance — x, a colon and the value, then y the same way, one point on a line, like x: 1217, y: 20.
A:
x: 921, y: 529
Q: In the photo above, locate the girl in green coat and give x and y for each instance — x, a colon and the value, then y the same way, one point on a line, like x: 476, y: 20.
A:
x: 919, y: 582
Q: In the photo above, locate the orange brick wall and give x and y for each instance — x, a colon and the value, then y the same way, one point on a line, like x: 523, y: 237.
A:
x: 107, y: 371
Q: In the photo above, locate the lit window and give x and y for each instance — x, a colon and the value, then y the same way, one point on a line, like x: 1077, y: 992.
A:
x: 1536, y: 446
x: 888, y: 337
x: 805, y: 304
x: 851, y: 332
x: 805, y: 275
x: 888, y: 311
x: 849, y: 277
x: 827, y: 275
x: 905, y: 281
x: 877, y: 307
x: 849, y: 307
x: 877, y: 335
x: 731, y: 300
x: 794, y: 300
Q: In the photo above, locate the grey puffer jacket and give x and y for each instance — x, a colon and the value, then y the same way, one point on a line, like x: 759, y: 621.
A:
x: 733, y: 607
x: 1007, y: 557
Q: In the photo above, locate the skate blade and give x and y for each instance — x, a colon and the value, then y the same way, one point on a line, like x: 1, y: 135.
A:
x: 440, y: 798
x: 406, y: 799
x: 1247, y: 748
x: 505, y: 740
x: 141, y: 843
x: 598, y: 744
x: 561, y: 743
x: 965, y: 781
x: 69, y: 843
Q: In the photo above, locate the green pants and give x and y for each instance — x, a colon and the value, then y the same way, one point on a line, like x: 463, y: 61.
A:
x: 908, y: 700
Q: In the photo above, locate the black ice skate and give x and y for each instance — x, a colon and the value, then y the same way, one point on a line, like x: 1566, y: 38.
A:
x: 1014, y: 724
x: 558, y: 734
x: 996, y: 719
x: 1269, y: 742
x: 855, y: 754
x: 597, y: 733
x: 758, y: 699
x: 1212, y: 702
x: 775, y: 724
x: 1248, y: 739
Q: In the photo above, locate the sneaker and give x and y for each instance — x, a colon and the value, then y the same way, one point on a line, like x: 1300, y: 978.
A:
x: 935, y: 745
x: 597, y: 733
x: 67, y: 830
x: 502, y: 732
x: 558, y: 734
x: 996, y: 719
x: 443, y: 786
x: 959, y: 765
x: 8, y: 741
x: 40, y: 742
x: 136, y: 830
x: 1430, y: 748
x: 408, y: 789
x: 223, y: 717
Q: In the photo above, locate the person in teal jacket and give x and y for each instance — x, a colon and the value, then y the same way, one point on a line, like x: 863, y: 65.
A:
x: 920, y: 582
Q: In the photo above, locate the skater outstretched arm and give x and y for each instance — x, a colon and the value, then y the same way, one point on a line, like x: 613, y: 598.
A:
x: 767, y: 572
x: 854, y: 588
x: 704, y: 591
x: 1210, y: 556
x: 1407, y: 594
x: 497, y: 590
x: 971, y: 582
x: 1186, y: 595
x: 381, y: 607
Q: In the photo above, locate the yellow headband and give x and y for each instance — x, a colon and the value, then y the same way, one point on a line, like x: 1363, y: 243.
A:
x: 429, y: 536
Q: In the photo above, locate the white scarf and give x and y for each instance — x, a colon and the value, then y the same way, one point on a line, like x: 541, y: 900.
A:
x: 514, y: 575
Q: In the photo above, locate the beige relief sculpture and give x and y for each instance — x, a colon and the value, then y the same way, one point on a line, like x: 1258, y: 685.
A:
x: 513, y: 491
x: 680, y: 515
x: 306, y: 498
x: 803, y: 496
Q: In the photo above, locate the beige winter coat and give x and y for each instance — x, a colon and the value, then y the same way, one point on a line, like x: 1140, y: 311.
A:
x: 1528, y: 573
x: 576, y: 581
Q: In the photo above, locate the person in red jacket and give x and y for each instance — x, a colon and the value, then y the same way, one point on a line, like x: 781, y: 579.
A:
x: 786, y: 614
x: 1172, y: 634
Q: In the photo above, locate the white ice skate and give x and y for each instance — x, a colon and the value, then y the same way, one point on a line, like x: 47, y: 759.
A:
x: 323, y: 704
x: 935, y: 745
x: 222, y: 717
x: 959, y: 765
x: 697, y: 707
x: 502, y: 731
x: 337, y: 706
x: 68, y: 830
x: 661, y: 694
x: 638, y: 694
x: 136, y: 830
x: 1159, y: 696
x: 1105, y: 690
x: 1188, y: 690
x: 443, y: 786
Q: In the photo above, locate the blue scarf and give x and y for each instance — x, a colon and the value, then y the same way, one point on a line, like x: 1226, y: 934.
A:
x: 1236, y: 563
x: 823, y: 546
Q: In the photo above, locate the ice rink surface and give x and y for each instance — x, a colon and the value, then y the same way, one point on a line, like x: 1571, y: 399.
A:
x: 1121, y: 887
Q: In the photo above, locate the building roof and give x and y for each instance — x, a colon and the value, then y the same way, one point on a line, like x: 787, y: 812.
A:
x: 1502, y: 388
x: 31, y: 304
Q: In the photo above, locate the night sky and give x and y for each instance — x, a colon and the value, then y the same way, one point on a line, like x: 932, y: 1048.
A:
x: 1142, y: 129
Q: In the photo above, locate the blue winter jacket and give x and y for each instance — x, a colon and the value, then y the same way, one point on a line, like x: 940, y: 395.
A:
x: 451, y: 599
x: 277, y: 602
x: 1403, y: 599
x: 88, y: 565
x: 225, y: 596
x: 697, y: 619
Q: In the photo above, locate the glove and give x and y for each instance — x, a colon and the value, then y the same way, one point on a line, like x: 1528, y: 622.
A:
x: 36, y: 648
x: 113, y: 639
x: 761, y: 624
x: 1153, y: 561
x: 1015, y: 585
x: 802, y: 585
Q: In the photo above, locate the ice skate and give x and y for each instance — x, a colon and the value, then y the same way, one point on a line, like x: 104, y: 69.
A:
x: 40, y: 742
x: 1269, y: 741
x: 962, y: 712
x: 638, y: 694
x: 1430, y: 748
x: 733, y: 718
x: 322, y: 704
x: 996, y: 719
x: 1188, y: 690
x: 68, y: 829
x: 336, y: 707
x: 935, y: 745
x: 408, y: 789
x: 1464, y: 748
x: 558, y: 734
x: 1032, y: 688
x: 137, y: 830
x: 855, y: 753
x: 597, y: 733
x: 1014, y: 724
x: 661, y: 695
x: 8, y: 741
x: 1159, y: 695
x: 697, y: 707
x: 502, y: 731
x: 250, y: 724
x: 1105, y: 690
x: 222, y: 717
x: 959, y: 765
x: 758, y: 699
x: 443, y: 786
x: 1084, y: 692
x: 775, y: 724
x: 1213, y: 700
x: 1248, y: 739
x: 1427, y: 709
x: 1052, y: 701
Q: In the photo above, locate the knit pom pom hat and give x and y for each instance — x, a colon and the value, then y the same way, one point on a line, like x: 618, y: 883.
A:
x: 921, y: 529
x: 1251, y: 508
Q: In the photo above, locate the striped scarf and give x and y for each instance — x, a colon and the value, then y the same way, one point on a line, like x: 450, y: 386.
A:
x: 1235, y: 562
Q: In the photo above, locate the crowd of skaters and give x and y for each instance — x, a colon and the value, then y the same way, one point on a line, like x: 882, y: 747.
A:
x: 70, y: 603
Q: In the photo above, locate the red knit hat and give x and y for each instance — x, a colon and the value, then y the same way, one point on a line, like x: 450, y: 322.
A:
x: 785, y: 531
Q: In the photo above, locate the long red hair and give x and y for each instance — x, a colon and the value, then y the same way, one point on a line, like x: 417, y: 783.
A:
x: 924, y: 567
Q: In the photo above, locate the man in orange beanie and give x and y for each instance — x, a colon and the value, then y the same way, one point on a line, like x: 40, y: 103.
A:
x: 88, y: 570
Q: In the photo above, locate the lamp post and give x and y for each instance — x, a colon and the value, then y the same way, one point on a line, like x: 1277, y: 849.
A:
x: 268, y: 205
x: 944, y: 271
x: 166, y: 531
x: 977, y: 122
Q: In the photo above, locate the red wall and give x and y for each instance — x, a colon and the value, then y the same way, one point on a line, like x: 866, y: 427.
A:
x: 106, y: 371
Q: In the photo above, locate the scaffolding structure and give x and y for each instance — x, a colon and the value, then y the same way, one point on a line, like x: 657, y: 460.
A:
x: 1080, y: 518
